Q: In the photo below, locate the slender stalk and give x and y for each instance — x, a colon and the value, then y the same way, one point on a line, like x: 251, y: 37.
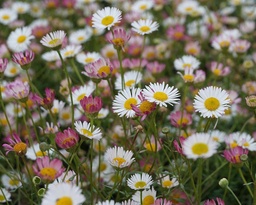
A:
x: 73, y: 65
x: 254, y: 193
x: 199, y: 180
x: 234, y: 195
x: 245, y: 182
x: 121, y: 67
x: 69, y: 87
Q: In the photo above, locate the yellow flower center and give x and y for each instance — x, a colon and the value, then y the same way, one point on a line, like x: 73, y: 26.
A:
x: 86, y: 132
x: 178, y: 35
x: 143, y: 7
x: 80, y: 97
x: 20, y: 147
x: 41, y: 154
x: 3, y: 121
x: 188, y: 78
x: 14, y: 182
x: 192, y: 51
x: 48, y: 173
x: 187, y: 65
x: 68, y: 140
x: 65, y: 116
x: 145, y: 28
x: 103, y: 167
x: 215, y: 138
x: 189, y: 9
x: 107, y: 20
x: 2, y: 88
x: 161, y: 96
x: 140, y: 184
x: 119, y: 160
x: 65, y: 200
x: 129, y: 102
x: 54, y: 41
x: 115, y: 178
x: 69, y: 53
x: 189, y: 108
x: 5, y: 17
x: 182, y: 121
x: 246, y: 144
x: 200, y: 148
x: 104, y: 69
x: 146, y: 106
x: 233, y: 144
x: 167, y: 183
x: 224, y: 44
x: 216, y: 72
x: 150, y: 147
x: 228, y: 111
x: 80, y: 38
x: 55, y: 110
x: 89, y: 60
x: 110, y: 54
x: 118, y: 41
x: 148, y: 200
x: 20, y: 10
x: 212, y: 103
x: 21, y: 39
x: 129, y: 83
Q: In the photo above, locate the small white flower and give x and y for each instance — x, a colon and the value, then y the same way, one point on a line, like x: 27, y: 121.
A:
x: 7, y: 16
x: 144, y: 26
x: 87, y: 130
x: 53, y: 39
x: 140, y: 181
x: 131, y: 78
x: 186, y: 62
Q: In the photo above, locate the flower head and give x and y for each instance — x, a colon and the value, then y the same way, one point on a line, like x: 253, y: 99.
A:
x: 67, y: 139
x: 87, y: 130
x: 147, y: 197
x: 5, y: 195
x: 3, y: 65
x: 144, y: 26
x: 211, y: 102
x: 53, y: 39
x: 199, y: 145
x: 124, y: 100
x: 106, y: 18
x: 119, y: 38
x: 15, y: 144
x: 91, y: 105
x: 18, y: 90
x: 63, y: 193
x: 180, y: 119
x: 118, y: 157
x: 24, y: 59
x: 100, y: 68
x: 48, y: 169
x: 218, y: 201
x: 186, y: 61
x: 19, y: 39
x: 140, y: 181
x: 7, y: 16
x: 161, y: 94
x: 233, y: 155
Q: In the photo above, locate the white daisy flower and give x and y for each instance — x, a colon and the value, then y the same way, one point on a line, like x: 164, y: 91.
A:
x: 145, y: 196
x: 80, y: 93
x: 211, y: 102
x: 101, y: 165
x: 34, y: 152
x: 65, y: 117
x: 11, y: 181
x: 189, y: 7
x: 80, y: 36
x: 15, y: 110
x: 57, y: 106
x: 123, y: 101
x: 63, y: 193
x: 106, y: 18
x: 217, y: 136
x: 186, y: 62
x: 20, y: 7
x: 118, y: 157
x: 67, y: 177
x: 130, y: 202
x: 166, y: 182
x: 7, y: 16
x: 36, y: 9
x: 87, y: 58
x: 162, y: 94
x: 86, y: 129
x: 140, y: 181
x: 70, y: 51
x: 51, y: 56
x: 12, y: 69
x: 53, y: 39
x: 142, y: 5
x: 108, y: 51
x: 199, y: 145
x: 19, y: 39
x: 5, y: 195
x: 131, y: 78
x: 144, y: 26
x: 241, y: 139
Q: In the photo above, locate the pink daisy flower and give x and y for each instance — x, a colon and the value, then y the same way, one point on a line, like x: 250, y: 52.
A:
x: 67, y: 139
x: 14, y: 144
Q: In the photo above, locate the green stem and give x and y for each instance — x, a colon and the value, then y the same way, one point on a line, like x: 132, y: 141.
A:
x: 254, y: 193
x: 33, y: 87
x: 234, y: 195
x: 76, y: 70
x: 121, y: 67
x: 245, y: 182
x: 69, y: 87
x: 199, y: 180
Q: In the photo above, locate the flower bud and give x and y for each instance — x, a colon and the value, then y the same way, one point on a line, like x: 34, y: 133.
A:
x: 36, y: 180
x: 223, y: 183
x: 41, y: 192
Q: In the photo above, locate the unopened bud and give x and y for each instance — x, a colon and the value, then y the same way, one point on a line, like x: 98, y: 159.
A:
x: 251, y: 101
x: 165, y: 130
x: 41, y: 192
x: 36, y: 180
x: 223, y: 183
x: 244, y: 157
